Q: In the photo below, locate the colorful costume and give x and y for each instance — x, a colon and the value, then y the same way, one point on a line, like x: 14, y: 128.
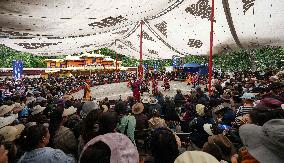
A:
x: 87, y: 92
x: 154, y: 87
x: 166, y: 84
x: 135, y: 88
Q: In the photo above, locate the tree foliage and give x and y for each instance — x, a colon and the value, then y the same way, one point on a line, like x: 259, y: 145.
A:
x: 231, y: 61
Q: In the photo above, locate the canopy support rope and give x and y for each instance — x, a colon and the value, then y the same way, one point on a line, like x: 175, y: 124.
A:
x: 140, y: 69
x: 211, y: 48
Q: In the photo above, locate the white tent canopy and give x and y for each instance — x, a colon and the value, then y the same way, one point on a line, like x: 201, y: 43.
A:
x: 171, y: 27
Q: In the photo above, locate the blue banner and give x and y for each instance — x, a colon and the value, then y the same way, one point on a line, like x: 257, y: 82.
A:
x: 174, y: 62
x: 145, y: 68
x: 17, y: 69
x: 155, y: 66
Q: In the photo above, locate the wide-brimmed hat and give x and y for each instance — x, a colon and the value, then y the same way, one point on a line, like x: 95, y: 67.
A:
x: 67, y: 97
x: 121, y: 147
x: 87, y: 107
x: 248, y: 96
x: 195, y: 157
x: 145, y: 100
x: 137, y: 108
x: 4, y: 109
x: 218, y: 108
x: 37, y: 109
x: 153, y: 101
x: 5, y: 121
x: 265, y: 143
x: 226, y: 148
x: 11, y: 133
x: 18, y: 107
x: 71, y: 110
x: 200, y: 109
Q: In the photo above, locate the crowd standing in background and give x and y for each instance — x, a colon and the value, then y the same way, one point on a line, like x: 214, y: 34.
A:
x: 241, y: 120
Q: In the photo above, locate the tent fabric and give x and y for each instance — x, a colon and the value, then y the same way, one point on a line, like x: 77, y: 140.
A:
x: 193, y: 65
x: 171, y: 27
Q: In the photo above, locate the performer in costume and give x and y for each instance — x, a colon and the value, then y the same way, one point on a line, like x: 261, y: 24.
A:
x: 154, y: 87
x: 87, y: 91
x: 189, y: 79
x: 166, y: 84
x: 135, y: 89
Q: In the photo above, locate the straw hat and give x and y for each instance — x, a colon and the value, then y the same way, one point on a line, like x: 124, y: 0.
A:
x: 71, y: 110
x: 67, y: 97
x: 6, y: 109
x: 5, y: 121
x: 11, y: 133
x: 37, y: 109
x: 18, y: 107
x: 195, y: 157
x: 137, y: 108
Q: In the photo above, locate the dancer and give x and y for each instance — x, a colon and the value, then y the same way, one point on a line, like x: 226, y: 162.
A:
x: 87, y: 91
x: 135, y: 88
x: 166, y: 84
x: 154, y: 87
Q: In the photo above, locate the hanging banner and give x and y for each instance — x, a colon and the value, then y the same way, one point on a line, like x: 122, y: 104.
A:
x: 145, y: 68
x: 155, y: 66
x: 174, y: 61
x: 17, y: 69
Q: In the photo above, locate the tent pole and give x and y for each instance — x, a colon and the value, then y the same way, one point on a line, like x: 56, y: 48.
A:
x: 116, y: 62
x: 140, y: 70
x: 211, y: 48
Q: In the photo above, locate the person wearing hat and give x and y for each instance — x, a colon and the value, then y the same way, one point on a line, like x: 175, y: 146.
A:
x: 62, y: 137
x: 220, y: 147
x: 153, y: 104
x: 156, y: 121
x: 225, y: 115
x: 179, y: 98
x: 248, y: 105
x: 5, y: 109
x: 199, y: 136
x: 196, y: 157
x: 141, y: 118
x: 127, y: 122
x: 264, y: 143
x: 36, y: 138
x: 37, y: 115
x: 110, y: 147
x: 10, y: 134
x: 87, y: 107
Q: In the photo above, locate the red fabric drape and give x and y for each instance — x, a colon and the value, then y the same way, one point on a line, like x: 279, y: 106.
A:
x: 140, y: 69
x: 211, y: 48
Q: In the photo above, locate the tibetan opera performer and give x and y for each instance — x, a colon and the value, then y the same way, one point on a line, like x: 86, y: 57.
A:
x: 154, y: 86
x: 144, y: 87
x: 166, y: 84
x: 189, y: 79
x: 135, y: 88
x: 87, y: 91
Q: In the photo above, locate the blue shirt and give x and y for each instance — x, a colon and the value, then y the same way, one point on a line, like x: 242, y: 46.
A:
x: 46, y: 155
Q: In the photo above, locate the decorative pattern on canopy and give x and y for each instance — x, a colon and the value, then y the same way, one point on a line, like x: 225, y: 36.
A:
x: 171, y: 27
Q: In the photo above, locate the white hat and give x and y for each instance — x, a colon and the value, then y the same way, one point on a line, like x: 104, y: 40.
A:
x: 71, y: 110
x: 11, y: 133
x: 18, y: 107
x: 6, y: 109
x: 37, y: 109
x: 200, y: 109
x: 196, y: 157
x: 145, y: 100
x: 5, y: 121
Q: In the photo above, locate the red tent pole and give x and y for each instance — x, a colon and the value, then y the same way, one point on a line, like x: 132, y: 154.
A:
x: 211, y: 48
x: 140, y: 66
